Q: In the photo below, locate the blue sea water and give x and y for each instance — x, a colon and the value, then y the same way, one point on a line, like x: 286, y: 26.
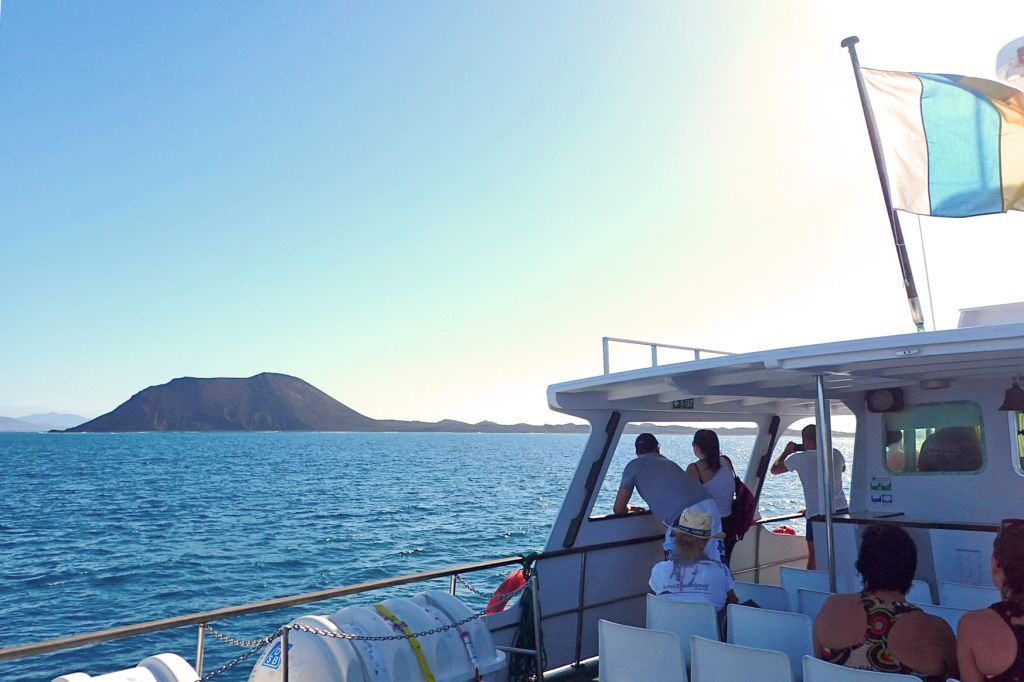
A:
x: 98, y: 530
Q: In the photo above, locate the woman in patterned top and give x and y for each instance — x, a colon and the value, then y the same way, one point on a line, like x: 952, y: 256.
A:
x: 877, y: 629
x: 990, y: 642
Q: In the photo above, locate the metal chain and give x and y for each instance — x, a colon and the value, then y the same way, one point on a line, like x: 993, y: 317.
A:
x: 469, y: 587
x: 497, y: 595
x: 233, y: 662
x: 260, y: 641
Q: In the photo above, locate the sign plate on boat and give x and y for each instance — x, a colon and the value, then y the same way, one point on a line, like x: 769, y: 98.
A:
x: 685, y: 404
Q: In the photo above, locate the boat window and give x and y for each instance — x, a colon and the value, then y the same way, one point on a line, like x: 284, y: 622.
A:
x: 675, y: 440
x: 934, y: 438
x: 1017, y: 437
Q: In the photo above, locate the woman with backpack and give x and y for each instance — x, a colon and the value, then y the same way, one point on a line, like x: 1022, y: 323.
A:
x: 715, y: 472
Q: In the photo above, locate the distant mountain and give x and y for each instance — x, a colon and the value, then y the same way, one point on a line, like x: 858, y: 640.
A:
x: 54, y: 420
x: 40, y: 422
x: 265, y: 402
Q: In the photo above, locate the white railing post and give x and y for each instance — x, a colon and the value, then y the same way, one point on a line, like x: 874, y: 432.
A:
x: 654, y: 355
x: 604, y: 348
x: 696, y: 353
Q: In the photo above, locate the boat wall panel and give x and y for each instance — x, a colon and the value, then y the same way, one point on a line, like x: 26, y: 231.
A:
x: 620, y: 572
x: 559, y: 583
x: 985, y: 496
x: 560, y: 640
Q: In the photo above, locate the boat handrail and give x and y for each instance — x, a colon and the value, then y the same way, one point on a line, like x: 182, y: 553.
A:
x: 204, y: 617
x: 201, y: 617
x: 123, y: 631
x: 654, y: 346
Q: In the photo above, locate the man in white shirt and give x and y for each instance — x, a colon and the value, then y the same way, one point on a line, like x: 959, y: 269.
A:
x: 804, y: 461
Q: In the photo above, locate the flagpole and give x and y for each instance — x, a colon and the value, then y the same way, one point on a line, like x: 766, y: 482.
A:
x: 883, y: 177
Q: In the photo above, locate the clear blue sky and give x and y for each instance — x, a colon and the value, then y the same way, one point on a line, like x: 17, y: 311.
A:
x: 436, y: 209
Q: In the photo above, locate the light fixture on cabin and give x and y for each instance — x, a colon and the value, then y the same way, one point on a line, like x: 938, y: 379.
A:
x: 885, y: 400
x: 934, y: 384
x: 1013, y: 401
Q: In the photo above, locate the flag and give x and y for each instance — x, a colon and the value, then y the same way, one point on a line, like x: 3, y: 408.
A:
x: 953, y: 145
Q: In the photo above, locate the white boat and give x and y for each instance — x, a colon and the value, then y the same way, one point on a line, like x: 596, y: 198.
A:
x: 596, y: 565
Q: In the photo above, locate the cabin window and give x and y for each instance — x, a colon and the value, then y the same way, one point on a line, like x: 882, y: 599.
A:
x: 1017, y: 436
x: 934, y: 438
x: 675, y: 438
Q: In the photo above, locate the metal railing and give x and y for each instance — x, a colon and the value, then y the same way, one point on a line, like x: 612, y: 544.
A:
x: 606, y: 341
x: 202, y: 618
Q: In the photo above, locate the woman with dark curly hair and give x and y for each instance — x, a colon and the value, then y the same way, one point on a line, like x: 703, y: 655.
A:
x: 990, y: 642
x: 877, y: 629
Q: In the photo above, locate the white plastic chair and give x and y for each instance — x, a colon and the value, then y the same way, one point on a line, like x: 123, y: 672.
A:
x: 817, y: 670
x: 716, y: 661
x: 682, y: 618
x: 789, y: 633
x: 809, y: 602
x: 946, y: 613
x: 629, y: 654
x: 920, y: 592
x: 967, y: 597
x: 767, y: 596
x: 793, y: 579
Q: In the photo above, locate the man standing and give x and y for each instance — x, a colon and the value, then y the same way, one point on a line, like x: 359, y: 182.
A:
x: 803, y: 460
x: 667, y: 489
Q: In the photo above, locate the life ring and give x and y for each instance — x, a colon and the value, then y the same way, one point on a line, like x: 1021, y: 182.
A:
x: 512, y: 582
x: 784, y: 530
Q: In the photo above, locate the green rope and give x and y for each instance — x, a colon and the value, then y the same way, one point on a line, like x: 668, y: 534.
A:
x: 523, y: 667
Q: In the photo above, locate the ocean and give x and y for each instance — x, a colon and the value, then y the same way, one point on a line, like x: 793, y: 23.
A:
x: 98, y: 530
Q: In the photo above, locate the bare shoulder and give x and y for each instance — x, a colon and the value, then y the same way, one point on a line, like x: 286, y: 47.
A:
x: 928, y: 625
x: 840, y: 606
x: 978, y: 624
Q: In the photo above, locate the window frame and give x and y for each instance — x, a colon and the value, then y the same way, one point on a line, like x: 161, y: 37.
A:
x: 1015, y: 420
x: 916, y: 472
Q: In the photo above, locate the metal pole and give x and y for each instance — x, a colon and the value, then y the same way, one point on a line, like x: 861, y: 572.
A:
x: 451, y: 585
x: 883, y: 177
x: 284, y: 655
x: 200, y: 641
x: 535, y: 598
x: 654, y: 355
x: 824, y: 445
x: 927, y: 277
x: 604, y: 349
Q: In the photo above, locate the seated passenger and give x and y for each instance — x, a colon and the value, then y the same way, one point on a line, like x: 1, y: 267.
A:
x: 877, y: 629
x: 953, y: 448
x: 990, y: 642
x: 688, y: 574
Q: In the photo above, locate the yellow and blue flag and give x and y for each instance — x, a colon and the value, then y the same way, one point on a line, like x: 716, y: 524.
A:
x: 953, y: 145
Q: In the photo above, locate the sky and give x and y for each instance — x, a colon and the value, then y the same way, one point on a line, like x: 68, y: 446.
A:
x: 434, y: 210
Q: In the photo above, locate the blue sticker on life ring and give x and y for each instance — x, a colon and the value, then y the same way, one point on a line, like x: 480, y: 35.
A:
x: 273, y: 659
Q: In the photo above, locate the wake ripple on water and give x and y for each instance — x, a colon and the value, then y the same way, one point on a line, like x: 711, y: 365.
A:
x: 112, y: 529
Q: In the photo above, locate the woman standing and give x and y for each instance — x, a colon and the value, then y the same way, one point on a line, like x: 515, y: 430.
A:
x: 990, y: 642
x: 718, y: 479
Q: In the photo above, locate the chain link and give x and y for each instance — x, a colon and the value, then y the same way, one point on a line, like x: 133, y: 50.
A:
x: 260, y: 641
x: 462, y: 581
x: 233, y: 662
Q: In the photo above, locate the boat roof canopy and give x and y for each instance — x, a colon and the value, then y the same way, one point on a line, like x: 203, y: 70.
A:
x: 783, y: 381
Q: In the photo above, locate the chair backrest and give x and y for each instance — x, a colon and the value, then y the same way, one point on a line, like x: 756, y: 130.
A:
x: 946, y: 613
x: 920, y: 592
x: 817, y: 670
x: 631, y: 654
x: 767, y: 596
x: 682, y: 618
x: 715, y: 661
x: 789, y: 633
x: 967, y: 597
x: 793, y: 579
x: 809, y: 602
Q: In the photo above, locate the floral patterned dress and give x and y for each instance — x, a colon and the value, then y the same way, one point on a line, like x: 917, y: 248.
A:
x: 874, y: 652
